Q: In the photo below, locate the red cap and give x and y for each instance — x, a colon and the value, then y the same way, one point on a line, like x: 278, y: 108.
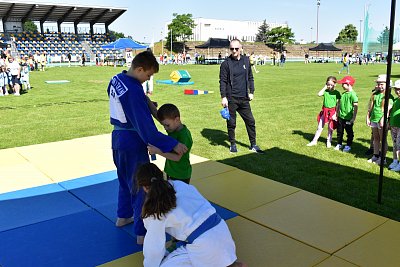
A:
x: 348, y: 80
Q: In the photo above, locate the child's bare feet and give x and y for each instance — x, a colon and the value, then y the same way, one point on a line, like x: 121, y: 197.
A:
x: 123, y: 221
x: 140, y: 240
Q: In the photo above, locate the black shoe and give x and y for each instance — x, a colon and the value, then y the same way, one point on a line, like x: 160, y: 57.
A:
x: 233, y: 149
x: 255, y: 148
x: 369, y: 152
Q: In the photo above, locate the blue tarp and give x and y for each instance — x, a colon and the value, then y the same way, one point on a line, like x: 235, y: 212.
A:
x: 123, y: 43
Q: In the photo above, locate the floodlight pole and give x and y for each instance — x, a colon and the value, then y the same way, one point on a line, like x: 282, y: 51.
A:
x: 318, y: 4
x: 360, y: 28
x: 387, y: 94
x: 311, y: 35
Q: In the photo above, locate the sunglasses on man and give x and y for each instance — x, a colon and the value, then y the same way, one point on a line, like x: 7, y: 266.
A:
x: 234, y: 48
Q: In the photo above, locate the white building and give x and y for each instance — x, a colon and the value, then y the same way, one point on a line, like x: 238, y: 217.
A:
x: 227, y: 29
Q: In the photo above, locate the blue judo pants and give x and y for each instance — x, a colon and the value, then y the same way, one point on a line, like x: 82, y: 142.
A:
x: 130, y: 198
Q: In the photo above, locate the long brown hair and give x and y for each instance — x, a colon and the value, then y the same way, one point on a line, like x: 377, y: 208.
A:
x: 161, y: 197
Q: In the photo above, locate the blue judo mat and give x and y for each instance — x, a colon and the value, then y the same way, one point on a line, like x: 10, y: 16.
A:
x: 67, y: 224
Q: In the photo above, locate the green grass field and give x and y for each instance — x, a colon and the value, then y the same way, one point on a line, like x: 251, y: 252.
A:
x: 285, y: 108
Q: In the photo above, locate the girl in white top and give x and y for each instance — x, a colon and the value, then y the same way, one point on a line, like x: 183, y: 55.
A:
x: 178, y: 209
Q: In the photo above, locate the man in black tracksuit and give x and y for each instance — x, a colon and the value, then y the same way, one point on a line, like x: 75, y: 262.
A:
x: 236, y: 85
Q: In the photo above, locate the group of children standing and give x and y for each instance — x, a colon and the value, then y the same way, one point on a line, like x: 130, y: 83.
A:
x: 339, y: 111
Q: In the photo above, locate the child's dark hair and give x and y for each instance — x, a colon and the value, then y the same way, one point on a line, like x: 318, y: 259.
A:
x: 146, y: 60
x: 161, y: 197
x: 168, y: 111
x: 331, y: 78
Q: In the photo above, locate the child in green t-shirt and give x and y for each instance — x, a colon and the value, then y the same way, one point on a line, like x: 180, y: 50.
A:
x: 328, y: 113
x: 348, y: 108
x: 375, y: 119
x: 395, y: 128
x: 177, y: 167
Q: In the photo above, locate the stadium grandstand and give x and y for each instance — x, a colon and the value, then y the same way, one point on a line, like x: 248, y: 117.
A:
x: 60, y: 40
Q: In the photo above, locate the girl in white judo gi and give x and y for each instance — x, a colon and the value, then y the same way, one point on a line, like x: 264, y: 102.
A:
x: 178, y: 209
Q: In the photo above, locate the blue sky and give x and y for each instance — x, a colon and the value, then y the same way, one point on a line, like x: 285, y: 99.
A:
x: 145, y: 20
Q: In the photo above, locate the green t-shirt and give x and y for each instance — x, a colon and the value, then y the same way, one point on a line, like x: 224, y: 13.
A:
x: 180, y: 169
x: 377, y: 112
x: 331, y: 98
x: 395, y: 114
x: 347, y: 105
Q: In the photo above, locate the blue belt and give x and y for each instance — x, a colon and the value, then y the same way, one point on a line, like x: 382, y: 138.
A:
x: 123, y: 129
x: 211, y: 221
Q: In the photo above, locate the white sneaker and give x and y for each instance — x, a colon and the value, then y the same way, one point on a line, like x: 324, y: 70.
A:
x: 393, y: 165
x: 16, y: 94
x: 396, y: 169
x: 328, y: 144
x: 312, y: 143
x: 346, y: 149
x: 373, y: 159
x: 338, y: 147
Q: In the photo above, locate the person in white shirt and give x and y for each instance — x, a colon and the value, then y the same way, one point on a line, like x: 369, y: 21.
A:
x: 15, y: 71
x: 178, y: 209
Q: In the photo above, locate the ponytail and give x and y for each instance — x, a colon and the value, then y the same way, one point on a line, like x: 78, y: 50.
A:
x: 161, y: 197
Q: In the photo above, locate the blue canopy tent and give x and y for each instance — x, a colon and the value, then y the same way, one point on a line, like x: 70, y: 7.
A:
x: 123, y: 43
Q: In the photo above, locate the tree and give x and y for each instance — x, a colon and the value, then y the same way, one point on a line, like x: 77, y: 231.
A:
x: 30, y: 26
x: 182, y: 27
x: 280, y: 36
x: 383, y: 39
x: 116, y: 35
x: 261, y: 36
x: 348, y: 34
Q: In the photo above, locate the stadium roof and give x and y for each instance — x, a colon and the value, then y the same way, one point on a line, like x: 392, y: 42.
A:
x: 60, y: 13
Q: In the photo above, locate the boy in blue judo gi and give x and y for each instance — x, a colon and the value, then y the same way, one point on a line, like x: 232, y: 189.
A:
x: 134, y: 128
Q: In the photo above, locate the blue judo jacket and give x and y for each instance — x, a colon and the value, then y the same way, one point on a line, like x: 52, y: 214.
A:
x: 130, y: 113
